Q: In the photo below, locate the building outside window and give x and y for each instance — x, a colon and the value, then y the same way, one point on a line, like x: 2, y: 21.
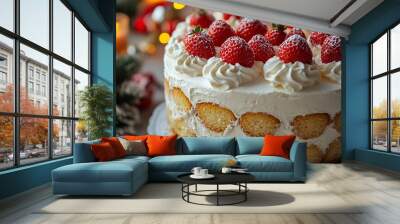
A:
x: 34, y: 79
x: 385, y: 91
x: 30, y: 87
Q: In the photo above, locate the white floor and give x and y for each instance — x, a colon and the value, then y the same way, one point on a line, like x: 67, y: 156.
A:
x: 376, y: 189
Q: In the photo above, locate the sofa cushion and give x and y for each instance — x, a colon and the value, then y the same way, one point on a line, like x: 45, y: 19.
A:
x: 83, y: 152
x: 206, y: 145
x: 257, y: 163
x: 277, y: 145
x: 103, y: 152
x: 185, y: 163
x: 112, y: 171
x: 161, y: 145
x: 249, y: 145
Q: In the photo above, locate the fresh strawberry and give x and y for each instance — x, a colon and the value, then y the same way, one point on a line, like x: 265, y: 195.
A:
x: 317, y: 38
x: 331, y: 49
x: 236, y: 50
x: 247, y: 28
x: 294, y: 31
x: 295, y: 48
x: 276, y: 35
x: 219, y: 31
x: 202, y: 19
x: 227, y: 16
x: 262, y: 49
x: 198, y: 43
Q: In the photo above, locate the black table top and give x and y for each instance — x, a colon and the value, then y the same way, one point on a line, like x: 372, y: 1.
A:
x: 220, y: 178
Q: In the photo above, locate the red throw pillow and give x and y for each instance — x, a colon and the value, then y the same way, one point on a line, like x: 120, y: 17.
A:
x: 135, y: 137
x: 103, y: 152
x: 116, y: 145
x: 161, y: 145
x: 277, y: 145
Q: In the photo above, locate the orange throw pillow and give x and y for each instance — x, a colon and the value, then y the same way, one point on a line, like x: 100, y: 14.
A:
x: 277, y: 145
x: 161, y: 145
x: 116, y: 145
x: 135, y: 137
x: 103, y: 152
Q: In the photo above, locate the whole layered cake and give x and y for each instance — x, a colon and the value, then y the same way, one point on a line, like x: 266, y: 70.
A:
x: 241, y: 77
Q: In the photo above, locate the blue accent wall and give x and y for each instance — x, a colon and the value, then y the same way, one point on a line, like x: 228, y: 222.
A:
x: 99, y: 16
x: 355, y: 103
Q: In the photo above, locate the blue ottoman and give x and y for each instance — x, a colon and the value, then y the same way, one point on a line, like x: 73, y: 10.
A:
x: 118, y: 177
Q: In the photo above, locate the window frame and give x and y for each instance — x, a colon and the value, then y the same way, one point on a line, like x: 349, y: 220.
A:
x: 388, y: 74
x: 16, y: 114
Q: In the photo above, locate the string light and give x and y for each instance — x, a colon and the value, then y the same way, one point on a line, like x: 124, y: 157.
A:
x: 164, y: 38
x: 178, y: 6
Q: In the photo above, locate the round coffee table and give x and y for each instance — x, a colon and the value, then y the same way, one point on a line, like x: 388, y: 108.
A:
x: 238, y: 179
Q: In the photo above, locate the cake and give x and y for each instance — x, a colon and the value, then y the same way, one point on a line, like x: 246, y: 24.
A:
x: 234, y: 89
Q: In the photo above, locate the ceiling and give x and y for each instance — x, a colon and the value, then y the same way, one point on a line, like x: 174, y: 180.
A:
x: 330, y: 16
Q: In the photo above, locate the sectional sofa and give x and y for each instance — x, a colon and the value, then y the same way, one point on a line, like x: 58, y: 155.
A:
x: 125, y: 176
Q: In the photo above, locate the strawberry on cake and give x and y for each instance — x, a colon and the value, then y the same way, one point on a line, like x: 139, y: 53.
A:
x: 253, y: 79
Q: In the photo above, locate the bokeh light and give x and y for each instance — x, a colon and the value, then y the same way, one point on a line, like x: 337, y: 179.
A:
x: 164, y: 38
x: 178, y: 6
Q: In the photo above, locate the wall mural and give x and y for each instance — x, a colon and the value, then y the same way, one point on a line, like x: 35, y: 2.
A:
x: 199, y: 73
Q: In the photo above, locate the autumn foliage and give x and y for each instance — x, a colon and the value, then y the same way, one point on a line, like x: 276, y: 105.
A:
x: 33, y: 131
x: 380, y: 127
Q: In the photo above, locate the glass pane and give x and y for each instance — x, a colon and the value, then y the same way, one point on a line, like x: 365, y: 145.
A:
x: 81, y: 45
x: 7, y: 14
x: 395, y: 136
x: 395, y: 94
x: 395, y: 47
x: 62, y: 138
x: 81, y: 131
x: 6, y: 74
x: 6, y: 142
x: 35, y: 21
x: 62, y: 29
x: 81, y: 81
x: 379, y: 135
x: 379, y: 55
x: 379, y: 97
x: 34, y: 75
x: 33, y: 139
x: 62, y: 89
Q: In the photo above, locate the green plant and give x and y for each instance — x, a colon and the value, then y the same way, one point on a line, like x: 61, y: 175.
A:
x: 96, y: 104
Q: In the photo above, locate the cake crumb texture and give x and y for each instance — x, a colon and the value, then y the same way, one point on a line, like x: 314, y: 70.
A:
x: 333, y: 152
x: 310, y: 125
x: 259, y: 124
x: 314, y: 154
x: 214, y: 117
x: 181, y: 101
x: 180, y: 126
x: 337, y: 122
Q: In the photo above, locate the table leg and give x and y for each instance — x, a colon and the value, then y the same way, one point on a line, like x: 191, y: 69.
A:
x: 245, y: 193
x: 217, y: 194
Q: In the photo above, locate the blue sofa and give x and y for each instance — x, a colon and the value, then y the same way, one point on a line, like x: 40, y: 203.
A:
x: 125, y: 176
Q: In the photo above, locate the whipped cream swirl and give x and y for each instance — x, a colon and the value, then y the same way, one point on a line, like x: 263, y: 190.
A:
x: 182, y: 61
x: 292, y: 77
x: 332, y: 71
x: 225, y: 76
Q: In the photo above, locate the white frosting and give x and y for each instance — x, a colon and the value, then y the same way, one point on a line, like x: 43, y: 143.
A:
x: 225, y: 76
x: 292, y: 77
x: 332, y: 71
x: 182, y: 61
x: 316, y: 52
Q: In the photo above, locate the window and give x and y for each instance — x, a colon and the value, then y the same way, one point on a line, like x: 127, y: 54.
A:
x: 30, y: 87
x: 385, y: 94
x: 41, y: 124
x: 7, y: 14
x: 81, y: 45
